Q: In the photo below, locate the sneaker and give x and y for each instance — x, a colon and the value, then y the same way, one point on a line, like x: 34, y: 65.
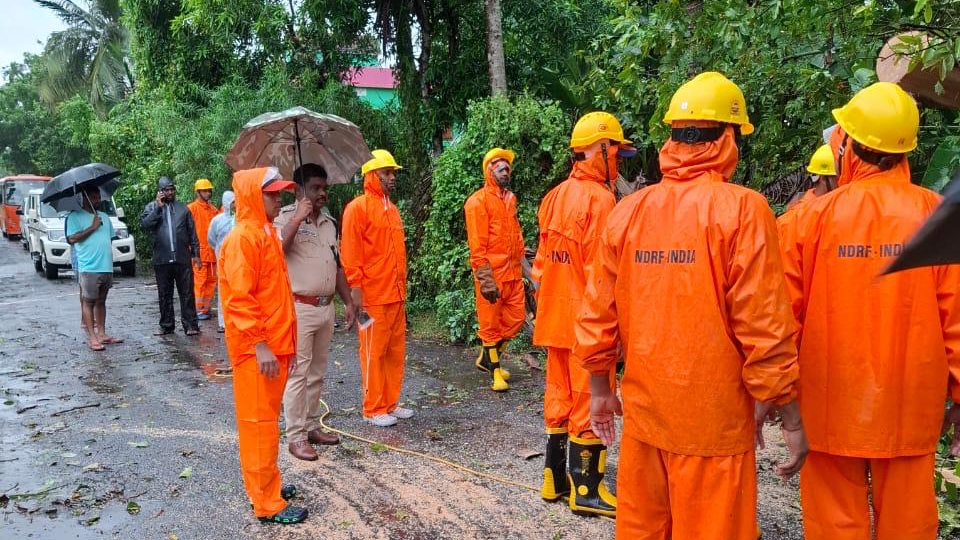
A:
x: 203, y: 316
x: 383, y: 420
x: 402, y: 413
x: 290, y: 515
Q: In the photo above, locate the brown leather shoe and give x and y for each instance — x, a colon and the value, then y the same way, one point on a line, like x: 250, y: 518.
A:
x: 319, y: 436
x: 303, y: 450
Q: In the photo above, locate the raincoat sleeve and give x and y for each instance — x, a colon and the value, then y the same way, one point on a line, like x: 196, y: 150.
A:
x: 192, y: 231
x: 241, y: 307
x: 948, y: 298
x: 151, y: 217
x: 351, y: 244
x: 596, y: 329
x: 478, y: 233
x: 791, y: 250
x: 758, y: 307
x: 536, y: 273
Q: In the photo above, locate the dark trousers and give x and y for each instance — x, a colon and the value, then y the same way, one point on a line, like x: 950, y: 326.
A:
x: 182, y: 276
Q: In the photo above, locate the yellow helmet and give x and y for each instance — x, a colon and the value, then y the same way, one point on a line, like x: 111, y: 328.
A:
x: 710, y: 96
x: 595, y: 126
x: 498, y: 153
x: 822, y: 162
x: 881, y: 117
x: 202, y: 183
x: 381, y: 160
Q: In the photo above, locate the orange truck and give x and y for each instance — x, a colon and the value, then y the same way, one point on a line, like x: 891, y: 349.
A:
x: 13, y: 190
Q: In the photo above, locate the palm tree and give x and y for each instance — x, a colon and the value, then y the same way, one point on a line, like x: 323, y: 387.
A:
x: 92, y: 56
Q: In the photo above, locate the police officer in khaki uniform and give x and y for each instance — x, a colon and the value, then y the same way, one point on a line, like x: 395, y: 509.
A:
x: 310, y: 247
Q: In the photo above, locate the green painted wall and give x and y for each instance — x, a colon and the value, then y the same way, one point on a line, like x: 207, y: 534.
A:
x: 378, y: 98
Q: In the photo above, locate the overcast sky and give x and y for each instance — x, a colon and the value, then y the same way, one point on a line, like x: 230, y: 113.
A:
x: 24, y: 27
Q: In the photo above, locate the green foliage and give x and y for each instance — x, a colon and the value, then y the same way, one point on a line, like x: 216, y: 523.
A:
x: 944, y: 164
x: 947, y: 487
x: 538, y: 133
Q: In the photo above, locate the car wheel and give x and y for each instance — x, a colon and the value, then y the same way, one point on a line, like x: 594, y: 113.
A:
x: 38, y: 265
x: 51, y: 271
x: 128, y: 268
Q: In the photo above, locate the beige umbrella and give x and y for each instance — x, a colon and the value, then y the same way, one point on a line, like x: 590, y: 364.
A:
x: 295, y: 136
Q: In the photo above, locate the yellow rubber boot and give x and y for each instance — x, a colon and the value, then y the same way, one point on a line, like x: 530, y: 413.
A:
x: 590, y: 496
x: 489, y: 361
x: 502, y: 346
x: 555, y: 483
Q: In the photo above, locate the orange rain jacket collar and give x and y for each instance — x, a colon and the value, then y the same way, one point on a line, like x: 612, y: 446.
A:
x: 716, y: 159
x: 854, y: 169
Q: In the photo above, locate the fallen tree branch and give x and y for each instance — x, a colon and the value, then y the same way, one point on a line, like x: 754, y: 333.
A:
x: 87, y: 406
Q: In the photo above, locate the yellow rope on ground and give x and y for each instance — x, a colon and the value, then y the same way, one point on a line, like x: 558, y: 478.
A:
x: 426, y: 456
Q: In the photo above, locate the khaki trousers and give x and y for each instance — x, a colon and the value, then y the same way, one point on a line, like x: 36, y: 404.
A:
x: 301, y: 400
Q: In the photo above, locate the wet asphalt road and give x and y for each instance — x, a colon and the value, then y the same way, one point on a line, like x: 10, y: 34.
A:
x: 139, y: 441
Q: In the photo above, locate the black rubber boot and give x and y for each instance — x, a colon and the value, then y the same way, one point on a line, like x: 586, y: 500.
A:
x: 590, y: 495
x: 290, y: 515
x: 555, y: 484
x: 489, y: 361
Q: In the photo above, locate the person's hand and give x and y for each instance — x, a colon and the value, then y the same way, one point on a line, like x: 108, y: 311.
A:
x: 796, y: 439
x: 291, y: 365
x: 160, y: 199
x: 761, y: 411
x: 304, y: 210
x: 350, y: 315
x: 952, y: 418
x: 267, y: 361
x: 356, y: 297
x: 603, y: 407
x: 488, y: 285
x: 95, y: 224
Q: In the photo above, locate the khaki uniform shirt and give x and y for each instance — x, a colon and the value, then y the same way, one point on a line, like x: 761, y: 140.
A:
x: 312, y: 259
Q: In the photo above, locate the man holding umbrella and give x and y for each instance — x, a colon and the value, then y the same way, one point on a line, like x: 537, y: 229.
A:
x: 89, y: 232
x: 175, y: 246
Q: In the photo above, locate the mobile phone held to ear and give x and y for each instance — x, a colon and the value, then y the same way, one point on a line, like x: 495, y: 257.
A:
x: 364, y: 320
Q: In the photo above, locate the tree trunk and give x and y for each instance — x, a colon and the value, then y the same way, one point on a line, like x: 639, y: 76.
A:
x: 495, y: 59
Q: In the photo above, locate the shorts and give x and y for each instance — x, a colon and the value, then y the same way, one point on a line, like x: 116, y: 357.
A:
x: 94, y: 285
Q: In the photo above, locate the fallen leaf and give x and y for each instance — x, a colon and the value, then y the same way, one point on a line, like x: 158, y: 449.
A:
x: 186, y: 453
x: 92, y: 467
x: 68, y: 455
x: 133, y: 508
x: 528, y: 454
x: 174, y: 537
x: 187, y: 472
x: 378, y: 447
x: 139, y: 444
x: 433, y: 435
x: 93, y: 520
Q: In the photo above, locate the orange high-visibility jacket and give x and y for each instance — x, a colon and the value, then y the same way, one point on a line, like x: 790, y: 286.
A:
x: 571, y: 217
x: 254, y: 287
x: 877, y: 353
x: 493, y: 231
x: 203, y: 213
x: 373, y: 254
x: 788, y: 219
x: 688, y: 279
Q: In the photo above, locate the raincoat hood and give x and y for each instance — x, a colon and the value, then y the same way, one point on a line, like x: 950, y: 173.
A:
x: 681, y: 161
x: 227, y: 199
x: 249, y: 197
x: 164, y: 183
x: 853, y: 169
x: 490, y: 183
x: 372, y: 185
x: 593, y: 169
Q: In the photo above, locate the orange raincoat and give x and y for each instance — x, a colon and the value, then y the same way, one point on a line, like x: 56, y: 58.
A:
x: 204, y: 277
x: 374, y: 259
x: 788, y: 219
x: 258, y: 308
x: 495, y: 239
x: 879, y: 354
x: 571, y: 217
x: 688, y: 280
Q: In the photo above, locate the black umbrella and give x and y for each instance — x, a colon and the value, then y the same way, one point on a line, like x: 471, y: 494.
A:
x: 66, y: 204
x: 77, y: 179
x: 938, y: 240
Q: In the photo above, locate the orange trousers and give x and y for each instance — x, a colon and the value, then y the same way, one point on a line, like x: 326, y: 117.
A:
x: 257, y: 400
x: 566, y: 398
x: 667, y: 496
x: 835, y: 495
x: 204, y: 285
x: 503, y: 319
x: 383, y: 347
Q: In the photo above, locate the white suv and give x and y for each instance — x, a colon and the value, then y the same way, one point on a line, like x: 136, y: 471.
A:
x: 47, y: 241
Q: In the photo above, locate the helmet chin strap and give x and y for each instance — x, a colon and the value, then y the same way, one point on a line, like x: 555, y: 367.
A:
x: 606, y: 162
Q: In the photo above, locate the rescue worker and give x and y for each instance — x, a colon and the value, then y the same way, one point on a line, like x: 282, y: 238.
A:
x: 496, y: 251
x: 205, y: 274
x: 309, y: 238
x: 687, y: 280
x: 261, y: 333
x: 823, y: 171
x: 220, y: 227
x: 176, y: 252
x: 375, y: 264
x: 571, y: 217
x: 878, y: 353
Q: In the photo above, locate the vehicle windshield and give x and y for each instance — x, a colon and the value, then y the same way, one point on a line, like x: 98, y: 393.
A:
x: 47, y: 211
x: 15, y: 190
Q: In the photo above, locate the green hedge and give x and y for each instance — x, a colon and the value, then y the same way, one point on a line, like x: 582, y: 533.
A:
x: 538, y: 132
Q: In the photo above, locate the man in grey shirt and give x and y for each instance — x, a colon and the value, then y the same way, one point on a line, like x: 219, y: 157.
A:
x: 175, y: 251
